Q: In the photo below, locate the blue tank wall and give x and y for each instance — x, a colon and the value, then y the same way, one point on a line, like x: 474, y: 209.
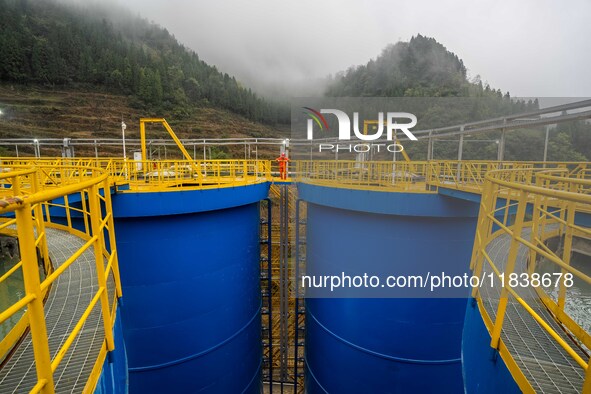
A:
x: 114, y: 378
x: 385, y: 345
x: 484, y: 370
x: 189, y: 264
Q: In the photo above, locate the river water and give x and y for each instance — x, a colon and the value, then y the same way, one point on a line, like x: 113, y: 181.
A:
x: 578, y: 297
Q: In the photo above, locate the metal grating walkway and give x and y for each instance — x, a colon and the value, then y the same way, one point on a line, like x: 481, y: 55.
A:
x: 542, y: 360
x: 68, y: 297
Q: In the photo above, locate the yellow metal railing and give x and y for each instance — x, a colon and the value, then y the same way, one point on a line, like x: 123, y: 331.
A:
x: 532, y: 207
x: 380, y: 175
x: 29, y: 195
x: 417, y: 176
x: 147, y: 175
x: 154, y: 175
x: 396, y: 176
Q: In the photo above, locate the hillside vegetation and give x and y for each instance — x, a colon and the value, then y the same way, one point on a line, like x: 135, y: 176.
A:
x: 49, y: 43
x: 37, y: 112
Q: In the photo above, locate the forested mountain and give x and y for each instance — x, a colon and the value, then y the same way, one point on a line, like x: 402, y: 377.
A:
x: 49, y: 43
x: 423, y: 67
x: 420, y: 67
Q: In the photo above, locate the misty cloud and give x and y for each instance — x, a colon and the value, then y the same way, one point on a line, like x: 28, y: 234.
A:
x: 528, y: 47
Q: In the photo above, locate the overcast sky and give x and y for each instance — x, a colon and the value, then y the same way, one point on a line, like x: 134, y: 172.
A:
x: 526, y: 47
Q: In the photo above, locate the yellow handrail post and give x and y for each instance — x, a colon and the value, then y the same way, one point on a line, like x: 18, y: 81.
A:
x: 97, y: 230
x: 563, y: 205
x: 488, y: 205
x: 535, y: 228
x: 47, y: 213
x: 587, y: 381
x: 544, y: 218
x: 143, y: 143
x: 482, y: 230
x: 40, y: 223
x: 509, y: 268
x: 112, y: 239
x: 67, y: 208
x: 84, y: 212
x: 36, y: 312
x: 431, y: 175
x: 567, y: 247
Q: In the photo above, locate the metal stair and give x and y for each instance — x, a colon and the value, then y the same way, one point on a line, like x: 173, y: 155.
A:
x: 267, y: 291
x: 299, y: 304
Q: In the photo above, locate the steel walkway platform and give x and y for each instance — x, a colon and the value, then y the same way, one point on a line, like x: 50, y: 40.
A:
x: 68, y: 297
x: 545, y: 364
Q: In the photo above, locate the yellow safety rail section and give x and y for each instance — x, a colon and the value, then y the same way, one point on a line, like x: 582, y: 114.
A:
x: 470, y: 175
x: 417, y: 176
x: 155, y: 175
x: 531, y: 206
x: 170, y: 174
x: 368, y: 175
x: 401, y: 176
x: 561, y: 214
x: 8, y: 226
x: 29, y: 194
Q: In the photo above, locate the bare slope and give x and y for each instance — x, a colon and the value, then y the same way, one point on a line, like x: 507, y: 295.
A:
x: 38, y: 112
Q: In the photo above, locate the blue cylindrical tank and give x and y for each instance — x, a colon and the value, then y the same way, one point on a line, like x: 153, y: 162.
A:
x: 114, y: 378
x: 189, y: 264
x: 483, y: 372
x: 385, y: 345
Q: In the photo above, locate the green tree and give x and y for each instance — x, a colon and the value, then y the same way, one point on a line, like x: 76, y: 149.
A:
x: 53, y: 43
x: 560, y: 148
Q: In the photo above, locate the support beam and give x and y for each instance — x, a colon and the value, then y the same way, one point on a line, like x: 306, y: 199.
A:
x: 501, y: 151
x: 461, y: 144
x: 163, y: 121
x: 546, y: 143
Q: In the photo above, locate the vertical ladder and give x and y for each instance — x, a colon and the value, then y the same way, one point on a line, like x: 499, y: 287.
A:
x: 265, y: 234
x: 299, y: 304
x: 284, y: 281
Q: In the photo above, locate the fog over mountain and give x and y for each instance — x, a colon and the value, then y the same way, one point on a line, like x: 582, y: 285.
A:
x: 528, y: 47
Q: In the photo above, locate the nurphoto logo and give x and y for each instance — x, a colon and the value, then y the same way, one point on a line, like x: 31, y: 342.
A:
x: 402, y: 121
